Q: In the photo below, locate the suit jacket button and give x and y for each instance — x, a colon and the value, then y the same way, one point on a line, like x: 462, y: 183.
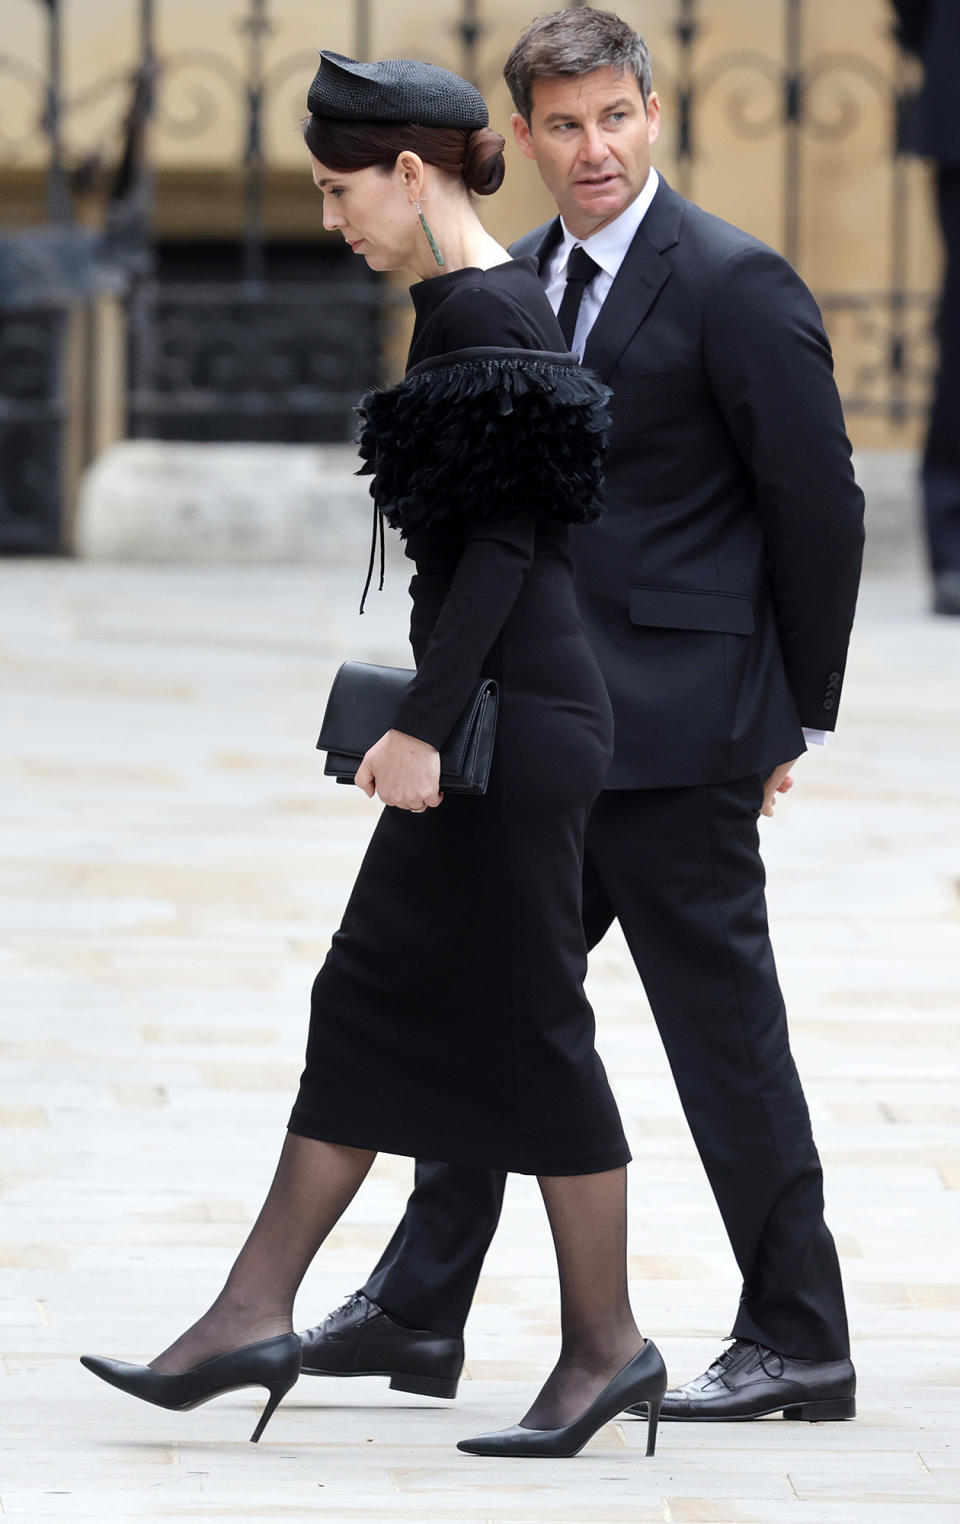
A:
x: 829, y: 703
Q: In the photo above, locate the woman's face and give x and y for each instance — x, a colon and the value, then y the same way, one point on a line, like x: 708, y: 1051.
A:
x: 371, y: 208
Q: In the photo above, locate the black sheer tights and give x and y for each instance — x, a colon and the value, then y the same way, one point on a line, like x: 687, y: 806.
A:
x: 315, y: 1183
x: 313, y: 1186
x: 588, y: 1220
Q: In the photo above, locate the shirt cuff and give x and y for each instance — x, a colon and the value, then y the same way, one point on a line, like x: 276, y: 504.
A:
x: 815, y: 737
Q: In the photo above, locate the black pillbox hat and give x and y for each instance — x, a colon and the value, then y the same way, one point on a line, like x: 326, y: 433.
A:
x: 397, y: 90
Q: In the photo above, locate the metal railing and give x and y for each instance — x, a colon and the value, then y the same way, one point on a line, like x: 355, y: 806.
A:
x: 259, y: 350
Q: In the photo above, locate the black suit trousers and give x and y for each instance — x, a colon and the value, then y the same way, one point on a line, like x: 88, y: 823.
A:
x: 680, y: 869
x: 941, y: 461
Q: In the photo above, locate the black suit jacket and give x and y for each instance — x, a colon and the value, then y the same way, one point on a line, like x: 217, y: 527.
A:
x: 931, y: 29
x: 719, y: 588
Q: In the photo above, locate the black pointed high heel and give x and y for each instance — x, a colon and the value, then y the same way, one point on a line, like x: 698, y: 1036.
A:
x: 645, y: 1373
x: 273, y: 1363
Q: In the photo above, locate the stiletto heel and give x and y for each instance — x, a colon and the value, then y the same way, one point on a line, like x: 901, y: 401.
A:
x: 276, y: 1397
x: 273, y: 1363
x: 642, y: 1379
x: 653, y: 1418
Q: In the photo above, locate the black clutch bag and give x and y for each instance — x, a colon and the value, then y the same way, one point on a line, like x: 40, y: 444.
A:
x: 363, y: 703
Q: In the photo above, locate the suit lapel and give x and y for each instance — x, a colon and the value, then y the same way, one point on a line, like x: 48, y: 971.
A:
x: 638, y: 283
x: 546, y: 245
x: 538, y: 243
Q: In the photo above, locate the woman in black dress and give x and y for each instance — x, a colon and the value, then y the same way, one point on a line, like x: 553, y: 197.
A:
x: 449, y: 1020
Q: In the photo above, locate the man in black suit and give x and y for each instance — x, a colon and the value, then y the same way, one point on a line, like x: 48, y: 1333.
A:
x: 931, y: 30
x: 719, y: 592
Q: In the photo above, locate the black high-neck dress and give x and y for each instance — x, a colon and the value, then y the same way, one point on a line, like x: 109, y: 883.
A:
x: 449, y: 1020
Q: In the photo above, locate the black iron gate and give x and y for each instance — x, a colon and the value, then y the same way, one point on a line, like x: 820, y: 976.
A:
x: 33, y: 409
x: 266, y: 353
x: 41, y: 280
x: 246, y: 353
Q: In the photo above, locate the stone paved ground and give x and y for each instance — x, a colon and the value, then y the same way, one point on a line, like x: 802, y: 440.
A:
x: 172, y: 863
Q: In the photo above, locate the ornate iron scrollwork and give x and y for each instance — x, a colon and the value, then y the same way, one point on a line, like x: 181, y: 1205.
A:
x: 195, y: 352
x: 792, y: 97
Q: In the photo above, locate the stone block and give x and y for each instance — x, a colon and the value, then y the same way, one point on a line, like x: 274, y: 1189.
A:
x: 161, y: 500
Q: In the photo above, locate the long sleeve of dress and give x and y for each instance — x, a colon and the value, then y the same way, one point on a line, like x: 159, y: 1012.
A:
x: 496, y: 558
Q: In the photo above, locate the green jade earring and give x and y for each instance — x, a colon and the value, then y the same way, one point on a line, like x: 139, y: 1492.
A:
x: 434, y: 246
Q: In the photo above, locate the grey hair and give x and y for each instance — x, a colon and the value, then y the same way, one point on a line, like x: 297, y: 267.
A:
x: 572, y: 42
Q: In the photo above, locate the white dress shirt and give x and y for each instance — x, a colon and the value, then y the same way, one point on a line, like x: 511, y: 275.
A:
x: 608, y: 248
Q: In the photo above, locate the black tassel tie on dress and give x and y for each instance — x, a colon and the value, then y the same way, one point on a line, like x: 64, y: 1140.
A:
x: 376, y: 535
x: 449, y: 1020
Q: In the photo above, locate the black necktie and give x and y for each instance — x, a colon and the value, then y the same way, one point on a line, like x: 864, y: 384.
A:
x: 580, y: 271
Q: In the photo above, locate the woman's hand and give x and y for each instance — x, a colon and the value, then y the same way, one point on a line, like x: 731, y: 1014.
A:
x: 403, y: 771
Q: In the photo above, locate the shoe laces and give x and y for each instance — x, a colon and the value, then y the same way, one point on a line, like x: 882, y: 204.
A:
x: 730, y: 1356
x: 352, y: 1302
x: 739, y: 1351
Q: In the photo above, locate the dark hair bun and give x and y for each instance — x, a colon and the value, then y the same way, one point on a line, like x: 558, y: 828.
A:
x: 483, y: 166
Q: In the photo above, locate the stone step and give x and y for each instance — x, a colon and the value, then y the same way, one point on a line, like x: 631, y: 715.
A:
x: 167, y: 501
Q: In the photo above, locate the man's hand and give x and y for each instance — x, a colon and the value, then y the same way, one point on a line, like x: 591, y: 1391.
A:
x: 403, y: 771
x: 779, y: 782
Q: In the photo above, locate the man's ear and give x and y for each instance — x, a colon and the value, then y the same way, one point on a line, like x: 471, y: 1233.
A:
x: 653, y: 115
x: 521, y: 131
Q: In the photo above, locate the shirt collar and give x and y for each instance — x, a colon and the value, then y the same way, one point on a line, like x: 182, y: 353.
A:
x: 609, y: 247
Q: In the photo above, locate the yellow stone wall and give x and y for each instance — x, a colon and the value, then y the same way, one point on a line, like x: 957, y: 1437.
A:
x: 844, y: 242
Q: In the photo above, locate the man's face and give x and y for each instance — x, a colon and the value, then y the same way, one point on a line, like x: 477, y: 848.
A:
x: 590, y: 137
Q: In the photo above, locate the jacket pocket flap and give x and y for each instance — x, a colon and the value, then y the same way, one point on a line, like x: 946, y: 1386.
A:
x: 685, y: 609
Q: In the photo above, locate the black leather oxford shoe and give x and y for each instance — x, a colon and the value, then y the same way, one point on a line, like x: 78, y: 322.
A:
x: 749, y: 1381
x: 360, y: 1339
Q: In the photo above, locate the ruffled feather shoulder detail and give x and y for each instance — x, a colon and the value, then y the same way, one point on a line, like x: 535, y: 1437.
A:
x: 478, y: 431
